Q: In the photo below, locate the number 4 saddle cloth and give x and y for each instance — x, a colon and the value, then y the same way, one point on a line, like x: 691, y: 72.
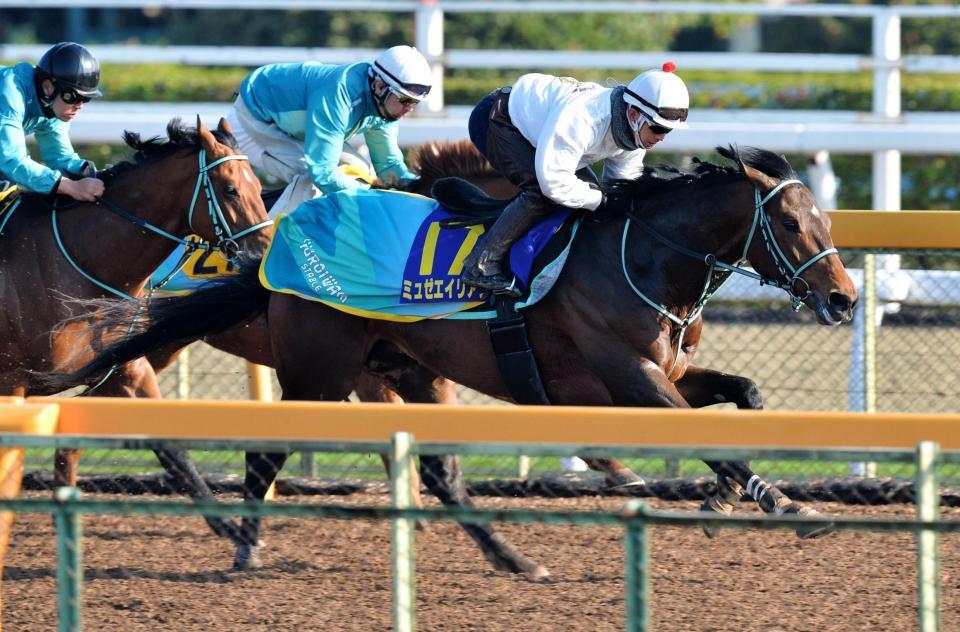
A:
x: 384, y: 254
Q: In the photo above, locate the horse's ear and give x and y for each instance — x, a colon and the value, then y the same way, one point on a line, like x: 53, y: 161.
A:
x: 762, y: 181
x: 206, y: 138
x: 224, y: 126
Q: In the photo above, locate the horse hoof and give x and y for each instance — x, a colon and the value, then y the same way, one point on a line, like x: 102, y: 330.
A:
x: 247, y: 558
x: 540, y: 572
x: 623, y: 480
x: 715, y: 504
x: 812, y: 531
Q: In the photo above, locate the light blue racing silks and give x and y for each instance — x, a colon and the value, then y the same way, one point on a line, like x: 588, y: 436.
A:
x: 383, y: 254
x: 325, y: 105
x: 20, y: 115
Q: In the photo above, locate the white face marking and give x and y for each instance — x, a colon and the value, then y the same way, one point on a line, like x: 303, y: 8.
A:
x: 247, y: 174
x: 815, y: 211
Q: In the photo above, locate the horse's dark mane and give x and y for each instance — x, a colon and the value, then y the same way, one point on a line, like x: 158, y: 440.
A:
x: 437, y: 160
x: 179, y: 138
x: 653, y: 181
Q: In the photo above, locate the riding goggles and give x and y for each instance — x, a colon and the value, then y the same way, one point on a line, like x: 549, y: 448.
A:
x: 669, y: 114
x: 72, y: 97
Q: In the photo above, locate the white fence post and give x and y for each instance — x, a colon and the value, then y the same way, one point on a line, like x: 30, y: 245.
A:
x: 886, y: 197
x: 928, y: 542
x: 402, y: 542
x: 428, y: 22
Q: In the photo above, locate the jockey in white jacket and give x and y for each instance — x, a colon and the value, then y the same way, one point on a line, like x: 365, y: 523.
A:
x: 544, y: 132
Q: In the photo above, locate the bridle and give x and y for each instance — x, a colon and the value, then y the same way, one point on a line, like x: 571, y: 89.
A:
x: 718, y: 271
x: 226, y: 239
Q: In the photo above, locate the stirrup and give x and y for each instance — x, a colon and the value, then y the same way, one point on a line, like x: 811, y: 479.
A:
x: 510, y: 290
x: 496, y: 283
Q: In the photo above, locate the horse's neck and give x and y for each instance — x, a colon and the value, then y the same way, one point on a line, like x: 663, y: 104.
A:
x: 716, y: 222
x: 116, y: 251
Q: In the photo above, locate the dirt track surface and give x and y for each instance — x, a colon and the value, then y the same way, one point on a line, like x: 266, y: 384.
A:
x: 151, y: 573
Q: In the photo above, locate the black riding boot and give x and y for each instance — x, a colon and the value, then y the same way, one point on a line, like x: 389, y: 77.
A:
x: 486, y: 266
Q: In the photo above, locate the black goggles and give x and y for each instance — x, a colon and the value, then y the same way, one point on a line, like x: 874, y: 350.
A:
x: 72, y: 97
x: 670, y: 114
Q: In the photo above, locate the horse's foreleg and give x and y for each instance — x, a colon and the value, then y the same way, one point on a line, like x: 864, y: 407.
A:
x: 703, y: 387
x: 371, y: 388
x: 443, y: 477
x: 585, y: 389
x: 65, y: 463
x: 770, y: 499
x: 262, y: 470
x: 706, y: 387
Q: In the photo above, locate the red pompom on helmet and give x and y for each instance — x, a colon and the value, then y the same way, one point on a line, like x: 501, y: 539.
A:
x: 669, y: 66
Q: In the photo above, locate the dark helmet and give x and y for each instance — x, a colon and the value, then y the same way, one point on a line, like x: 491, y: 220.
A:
x: 70, y: 66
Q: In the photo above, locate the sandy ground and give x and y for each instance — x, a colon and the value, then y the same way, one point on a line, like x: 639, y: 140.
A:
x: 150, y: 573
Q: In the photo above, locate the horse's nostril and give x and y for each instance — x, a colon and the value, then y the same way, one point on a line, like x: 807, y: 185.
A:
x: 840, y: 302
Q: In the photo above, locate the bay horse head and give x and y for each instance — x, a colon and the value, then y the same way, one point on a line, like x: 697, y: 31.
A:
x: 789, y: 242
x: 216, y: 187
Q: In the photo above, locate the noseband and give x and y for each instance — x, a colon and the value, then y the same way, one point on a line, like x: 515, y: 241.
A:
x: 718, y: 271
x: 226, y: 239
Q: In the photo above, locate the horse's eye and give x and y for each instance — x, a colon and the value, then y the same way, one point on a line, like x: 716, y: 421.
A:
x: 231, y: 191
x: 792, y: 225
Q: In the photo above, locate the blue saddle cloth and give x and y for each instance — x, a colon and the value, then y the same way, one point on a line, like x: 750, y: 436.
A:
x: 383, y: 254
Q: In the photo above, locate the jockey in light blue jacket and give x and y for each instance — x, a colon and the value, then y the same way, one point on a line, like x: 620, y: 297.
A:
x: 42, y: 100
x: 293, y: 120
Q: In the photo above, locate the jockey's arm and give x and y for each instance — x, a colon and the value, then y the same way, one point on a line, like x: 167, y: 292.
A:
x: 325, y: 133
x: 16, y: 163
x: 385, y: 154
x: 57, y: 151
x: 560, y: 149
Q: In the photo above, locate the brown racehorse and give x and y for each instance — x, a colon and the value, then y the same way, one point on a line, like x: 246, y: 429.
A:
x: 431, y: 161
x: 192, y: 182
x: 620, y: 327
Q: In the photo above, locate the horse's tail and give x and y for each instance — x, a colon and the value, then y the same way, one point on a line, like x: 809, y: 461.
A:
x: 213, y: 307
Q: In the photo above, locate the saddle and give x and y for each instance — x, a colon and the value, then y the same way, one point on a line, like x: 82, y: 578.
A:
x: 467, y: 200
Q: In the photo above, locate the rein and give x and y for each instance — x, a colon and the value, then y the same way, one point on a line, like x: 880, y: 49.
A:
x: 718, y: 271
x: 226, y: 239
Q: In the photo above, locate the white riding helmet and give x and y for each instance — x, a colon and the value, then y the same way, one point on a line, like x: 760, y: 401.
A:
x: 661, y: 96
x: 405, y: 70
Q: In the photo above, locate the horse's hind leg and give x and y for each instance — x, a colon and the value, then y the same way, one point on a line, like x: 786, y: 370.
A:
x: 443, y: 477
x: 138, y: 379
x: 262, y: 469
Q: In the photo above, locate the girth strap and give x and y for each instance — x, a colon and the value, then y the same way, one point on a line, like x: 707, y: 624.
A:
x: 518, y: 367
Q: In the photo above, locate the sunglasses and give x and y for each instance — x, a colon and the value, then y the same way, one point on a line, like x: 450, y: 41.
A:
x: 404, y: 99
x: 659, y: 129
x: 72, y: 97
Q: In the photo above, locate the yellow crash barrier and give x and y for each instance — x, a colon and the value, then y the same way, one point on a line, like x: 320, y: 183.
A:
x: 895, y: 229
x: 340, y: 421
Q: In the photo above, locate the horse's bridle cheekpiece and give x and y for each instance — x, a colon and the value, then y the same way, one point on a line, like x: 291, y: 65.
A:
x: 226, y: 239
x: 715, y: 268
